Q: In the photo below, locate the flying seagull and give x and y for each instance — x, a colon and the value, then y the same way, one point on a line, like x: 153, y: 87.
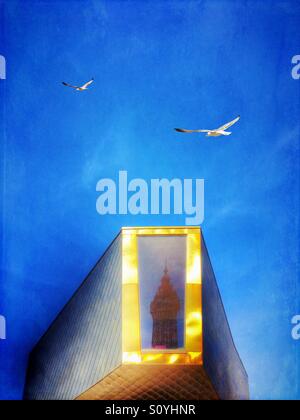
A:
x: 221, y: 131
x: 79, y: 88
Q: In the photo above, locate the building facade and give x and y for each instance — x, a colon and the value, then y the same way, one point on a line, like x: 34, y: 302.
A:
x: 131, y: 332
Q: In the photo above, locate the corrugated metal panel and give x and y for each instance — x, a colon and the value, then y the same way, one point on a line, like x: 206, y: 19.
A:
x: 84, y: 343
x: 221, y: 360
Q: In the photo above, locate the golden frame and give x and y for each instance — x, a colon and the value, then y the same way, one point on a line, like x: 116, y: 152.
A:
x: 131, y: 334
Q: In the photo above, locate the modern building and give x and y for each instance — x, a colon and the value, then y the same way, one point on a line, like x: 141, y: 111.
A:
x: 148, y: 323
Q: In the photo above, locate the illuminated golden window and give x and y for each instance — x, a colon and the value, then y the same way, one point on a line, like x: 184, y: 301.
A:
x: 161, y: 296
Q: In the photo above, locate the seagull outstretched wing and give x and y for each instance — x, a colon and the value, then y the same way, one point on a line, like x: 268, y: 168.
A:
x: 80, y: 88
x: 225, y: 126
x: 68, y: 85
x: 87, y: 84
x: 183, y: 130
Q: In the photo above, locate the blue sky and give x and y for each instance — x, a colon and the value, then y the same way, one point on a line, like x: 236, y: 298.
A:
x: 157, y: 65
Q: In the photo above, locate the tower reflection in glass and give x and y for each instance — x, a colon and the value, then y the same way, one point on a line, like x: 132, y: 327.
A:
x: 164, y: 310
x: 162, y: 273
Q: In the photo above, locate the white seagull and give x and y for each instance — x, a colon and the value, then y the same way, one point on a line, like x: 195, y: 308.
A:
x: 79, y: 88
x: 221, y: 131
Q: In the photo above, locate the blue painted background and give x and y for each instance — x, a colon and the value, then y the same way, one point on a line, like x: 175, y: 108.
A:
x: 157, y: 65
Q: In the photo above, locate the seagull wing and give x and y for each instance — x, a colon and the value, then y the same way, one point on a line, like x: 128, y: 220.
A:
x: 68, y: 85
x: 225, y: 126
x: 87, y: 84
x: 183, y: 130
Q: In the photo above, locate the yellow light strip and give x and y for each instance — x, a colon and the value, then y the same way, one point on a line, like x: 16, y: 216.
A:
x: 130, y: 259
x: 193, y: 315
x: 131, y: 339
x: 162, y: 358
x: 172, y: 359
x: 194, y: 258
x: 158, y: 231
